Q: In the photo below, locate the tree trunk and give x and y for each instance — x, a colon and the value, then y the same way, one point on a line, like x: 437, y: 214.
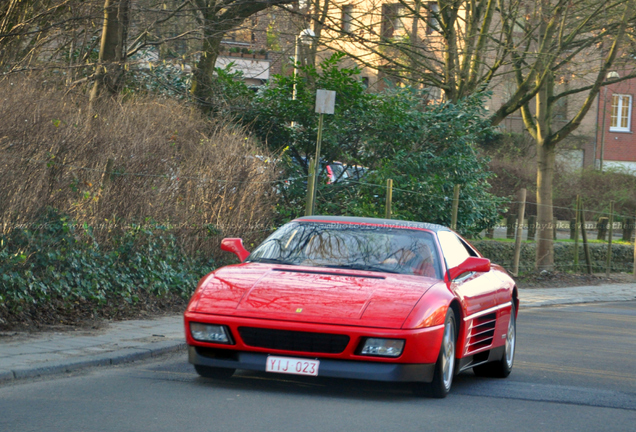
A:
x: 204, y: 72
x: 320, y: 14
x: 112, y: 53
x: 545, y: 176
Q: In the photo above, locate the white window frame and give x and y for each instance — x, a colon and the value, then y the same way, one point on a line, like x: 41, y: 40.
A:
x: 619, y: 114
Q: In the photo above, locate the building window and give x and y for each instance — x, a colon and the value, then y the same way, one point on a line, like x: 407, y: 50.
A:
x: 560, y: 106
x: 621, y: 113
x: 392, y: 24
x: 347, y: 18
x: 432, y: 22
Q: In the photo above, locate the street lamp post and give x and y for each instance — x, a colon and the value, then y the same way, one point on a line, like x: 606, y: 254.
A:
x: 610, y: 75
x: 305, y: 37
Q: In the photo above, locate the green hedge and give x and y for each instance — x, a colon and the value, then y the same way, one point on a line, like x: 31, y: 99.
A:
x: 55, y: 261
x: 503, y: 253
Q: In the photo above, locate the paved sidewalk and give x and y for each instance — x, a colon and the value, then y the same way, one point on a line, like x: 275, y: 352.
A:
x: 48, y: 353
x: 536, y: 297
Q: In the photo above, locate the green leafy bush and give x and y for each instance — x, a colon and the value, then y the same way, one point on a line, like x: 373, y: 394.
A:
x: 57, y: 263
x: 425, y: 147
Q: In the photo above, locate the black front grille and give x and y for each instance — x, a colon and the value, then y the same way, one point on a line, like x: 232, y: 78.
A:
x: 294, y: 340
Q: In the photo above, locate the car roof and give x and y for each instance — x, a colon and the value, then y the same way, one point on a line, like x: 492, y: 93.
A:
x: 389, y: 223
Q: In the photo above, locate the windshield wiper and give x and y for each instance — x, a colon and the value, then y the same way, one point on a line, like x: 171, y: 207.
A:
x: 361, y: 267
x: 271, y: 261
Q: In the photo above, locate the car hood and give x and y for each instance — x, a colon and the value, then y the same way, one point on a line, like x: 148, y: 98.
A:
x: 310, y: 294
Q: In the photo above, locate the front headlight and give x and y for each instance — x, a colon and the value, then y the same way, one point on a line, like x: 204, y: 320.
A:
x: 210, y: 333
x: 382, y: 347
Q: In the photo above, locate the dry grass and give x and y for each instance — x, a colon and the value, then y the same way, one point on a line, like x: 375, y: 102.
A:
x: 169, y: 165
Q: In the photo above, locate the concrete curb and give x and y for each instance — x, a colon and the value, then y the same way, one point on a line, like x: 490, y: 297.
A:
x: 127, y: 355
x: 6, y: 375
x: 581, y: 300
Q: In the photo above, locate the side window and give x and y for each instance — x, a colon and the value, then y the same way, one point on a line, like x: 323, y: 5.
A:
x: 455, y: 252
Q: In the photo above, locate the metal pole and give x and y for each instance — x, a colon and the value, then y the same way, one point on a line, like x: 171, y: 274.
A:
x: 317, y: 163
x: 389, y: 198
x: 609, y: 240
x: 522, y: 210
x: 455, y: 208
x: 309, y: 209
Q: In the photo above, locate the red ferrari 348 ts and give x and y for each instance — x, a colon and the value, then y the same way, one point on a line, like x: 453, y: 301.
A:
x: 373, y: 299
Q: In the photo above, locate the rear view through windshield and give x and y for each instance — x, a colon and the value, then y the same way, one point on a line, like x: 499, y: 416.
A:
x: 359, y: 247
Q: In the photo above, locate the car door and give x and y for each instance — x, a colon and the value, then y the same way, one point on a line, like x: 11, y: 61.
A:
x: 477, y: 290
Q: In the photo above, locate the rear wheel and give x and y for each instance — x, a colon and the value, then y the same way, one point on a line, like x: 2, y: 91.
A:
x: 445, y: 366
x: 502, y: 368
x: 214, y: 372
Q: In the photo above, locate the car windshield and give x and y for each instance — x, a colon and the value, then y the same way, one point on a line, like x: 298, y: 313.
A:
x: 351, y: 246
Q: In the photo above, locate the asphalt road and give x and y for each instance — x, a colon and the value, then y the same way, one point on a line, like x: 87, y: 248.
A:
x: 574, y: 371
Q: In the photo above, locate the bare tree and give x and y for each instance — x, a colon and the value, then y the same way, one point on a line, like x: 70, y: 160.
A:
x: 112, y: 51
x: 456, y: 46
x: 578, y: 43
x: 35, y: 33
x: 217, y: 18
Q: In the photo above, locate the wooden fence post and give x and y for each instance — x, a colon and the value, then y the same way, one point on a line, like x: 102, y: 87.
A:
x: 532, y: 227
x: 601, y: 226
x: 309, y: 208
x: 389, y: 198
x: 510, y: 226
x: 609, y: 239
x: 455, y: 207
x: 586, y: 247
x: 575, y: 231
x: 628, y: 228
x: 522, y: 209
x: 572, y: 227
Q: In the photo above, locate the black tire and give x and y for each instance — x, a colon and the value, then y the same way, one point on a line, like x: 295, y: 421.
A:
x: 502, y: 367
x: 445, y: 366
x: 214, y: 372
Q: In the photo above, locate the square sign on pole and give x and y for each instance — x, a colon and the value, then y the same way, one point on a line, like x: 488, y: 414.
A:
x: 325, y: 104
x: 325, y: 101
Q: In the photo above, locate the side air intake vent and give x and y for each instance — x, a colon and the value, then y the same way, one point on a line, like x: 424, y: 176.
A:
x: 482, y: 331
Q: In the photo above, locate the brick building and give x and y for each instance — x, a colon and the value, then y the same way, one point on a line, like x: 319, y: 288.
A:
x: 615, y: 141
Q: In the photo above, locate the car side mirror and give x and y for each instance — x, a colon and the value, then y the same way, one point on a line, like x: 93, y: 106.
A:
x: 472, y: 264
x: 235, y: 245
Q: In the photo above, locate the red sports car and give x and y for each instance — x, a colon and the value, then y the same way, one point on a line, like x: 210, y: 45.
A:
x: 372, y: 299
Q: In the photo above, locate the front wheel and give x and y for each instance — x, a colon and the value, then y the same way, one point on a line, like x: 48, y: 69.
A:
x: 502, y: 368
x: 445, y: 366
x: 214, y: 372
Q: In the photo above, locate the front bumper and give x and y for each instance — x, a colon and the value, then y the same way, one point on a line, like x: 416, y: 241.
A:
x: 421, y: 345
x: 328, y: 367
